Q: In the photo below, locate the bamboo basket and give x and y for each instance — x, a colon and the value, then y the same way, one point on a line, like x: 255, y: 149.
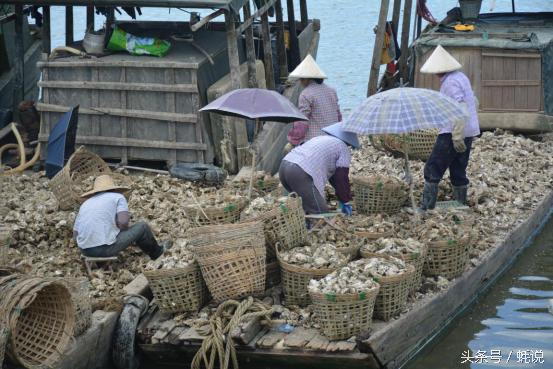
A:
x: 417, y: 144
x: 231, y: 258
x: 394, y: 290
x: 379, y: 194
x: 40, y: 318
x: 266, y: 185
x: 344, y: 315
x: 448, y: 258
x: 79, y: 289
x: 417, y: 260
x: 178, y: 290
x: 218, y: 214
x: 66, y: 185
x: 285, y: 224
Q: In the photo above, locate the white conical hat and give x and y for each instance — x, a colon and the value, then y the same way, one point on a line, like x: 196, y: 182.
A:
x: 440, y: 62
x: 308, y: 68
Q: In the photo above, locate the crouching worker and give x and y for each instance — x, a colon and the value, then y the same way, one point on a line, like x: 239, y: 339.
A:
x: 102, y: 225
x: 307, y: 168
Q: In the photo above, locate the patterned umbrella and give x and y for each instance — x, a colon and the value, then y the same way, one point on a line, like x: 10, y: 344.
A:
x: 402, y: 110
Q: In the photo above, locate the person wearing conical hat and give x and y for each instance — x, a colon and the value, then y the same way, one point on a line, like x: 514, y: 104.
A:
x: 307, y: 168
x: 102, y: 226
x: 317, y: 101
x: 452, y: 148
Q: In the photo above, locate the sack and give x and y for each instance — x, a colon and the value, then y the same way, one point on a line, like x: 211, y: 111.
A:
x: 123, y: 41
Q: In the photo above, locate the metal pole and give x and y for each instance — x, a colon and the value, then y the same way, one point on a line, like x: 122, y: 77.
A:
x: 19, y: 90
x: 513, y: 5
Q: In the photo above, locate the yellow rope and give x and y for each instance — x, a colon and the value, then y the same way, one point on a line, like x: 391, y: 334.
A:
x: 218, y: 345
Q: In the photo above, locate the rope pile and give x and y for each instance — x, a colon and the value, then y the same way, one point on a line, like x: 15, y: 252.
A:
x: 218, y: 345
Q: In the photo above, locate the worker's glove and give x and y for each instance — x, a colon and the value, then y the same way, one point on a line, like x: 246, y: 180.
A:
x: 458, y: 137
x: 346, y: 208
x: 288, y: 148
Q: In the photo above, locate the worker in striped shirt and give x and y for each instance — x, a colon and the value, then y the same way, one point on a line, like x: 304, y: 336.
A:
x: 317, y: 101
x: 307, y: 168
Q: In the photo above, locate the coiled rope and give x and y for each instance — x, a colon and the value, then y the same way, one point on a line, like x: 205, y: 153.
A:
x: 218, y: 346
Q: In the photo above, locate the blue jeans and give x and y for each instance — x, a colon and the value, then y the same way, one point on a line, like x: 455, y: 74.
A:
x: 445, y: 157
x: 140, y: 234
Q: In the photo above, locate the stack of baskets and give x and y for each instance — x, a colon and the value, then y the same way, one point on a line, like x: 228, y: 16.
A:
x: 394, y: 290
x: 217, y: 214
x: 284, y: 224
x: 67, y: 184
x: 178, y: 290
x: 379, y: 194
x: 232, y: 259
x: 448, y: 258
x: 417, y: 144
x: 40, y: 318
x: 346, y: 315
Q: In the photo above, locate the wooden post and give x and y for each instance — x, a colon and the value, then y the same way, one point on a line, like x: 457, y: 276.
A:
x: 110, y: 18
x: 294, y: 44
x: 419, y: 26
x: 19, y: 90
x: 68, y: 25
x: 250, y: 49
x: 513, y: 6
x: 281, y: 46
x: 90, y: 17
x: 267, y: 52
x: 46, y: 42
x: 377, y: 52
x: 405, y: 32
x: 303, y: 12
x: 395, y: 16
x: 241, y: 134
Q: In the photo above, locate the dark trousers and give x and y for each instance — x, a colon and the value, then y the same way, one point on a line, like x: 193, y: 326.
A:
x: 294, y: 179
x: 140, y: 234
x: 445, y: 157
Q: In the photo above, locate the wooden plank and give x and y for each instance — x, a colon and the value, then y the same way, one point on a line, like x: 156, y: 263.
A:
x: 395, y: 342
x: 281, y: 47
x: 121, y: 86
x: 170, y: 106
x: 46, y: 32
x: 123, y: 120
x: 303, y: 13
x: 377, y: 50
x: 133, y: 142
x: 19, y: 59
x: 267, y: 52
x: 138, y: 286
x: 249, y: 20
x: 246, y: 331
x: 299, y: 338
x: 94, y: 101
x: 395, y: 16
x: 294, y: 43
x: 200, y: 126
x: 508, y: 83
x: 270, y: 339
x: 103, y: 63
x: 130, y: 113
x: 191, y: 335
x: 206, y: 19
x: 512, y: 55
x: 69, y: 25
x: 250, y: 50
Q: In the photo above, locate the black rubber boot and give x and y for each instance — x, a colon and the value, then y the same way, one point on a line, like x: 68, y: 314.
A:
x: 460, y: 194
x: 429, y: 196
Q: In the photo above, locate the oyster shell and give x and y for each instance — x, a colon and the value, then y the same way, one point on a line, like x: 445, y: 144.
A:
x: 324, y: 256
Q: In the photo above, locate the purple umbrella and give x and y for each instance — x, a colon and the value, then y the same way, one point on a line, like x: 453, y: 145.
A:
x: 257, y: 104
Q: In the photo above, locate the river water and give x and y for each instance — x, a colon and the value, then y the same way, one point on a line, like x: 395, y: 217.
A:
x: 513, y: 316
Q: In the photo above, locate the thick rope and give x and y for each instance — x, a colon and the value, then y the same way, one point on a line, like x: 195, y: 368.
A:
x: 218, y: 344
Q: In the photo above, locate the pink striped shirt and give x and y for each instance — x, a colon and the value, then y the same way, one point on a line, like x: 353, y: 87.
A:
x: 319, y: 103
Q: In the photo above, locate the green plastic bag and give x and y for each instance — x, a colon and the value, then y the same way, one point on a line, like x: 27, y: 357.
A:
x: 123, y: 41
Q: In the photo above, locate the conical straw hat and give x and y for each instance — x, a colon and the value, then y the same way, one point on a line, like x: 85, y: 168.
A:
x: 308, y: 68
x: 104, y: 183
x: 440, y: 62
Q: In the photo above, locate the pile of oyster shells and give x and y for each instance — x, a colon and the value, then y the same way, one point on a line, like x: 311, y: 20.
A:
x: 324, y: 256
x: 338, y: 232
x: 391, y: 246
x: 377, y: 223
x: 353, y: 278
x: 261, y: 205
x: 178, y: 256
x: 383, y: 267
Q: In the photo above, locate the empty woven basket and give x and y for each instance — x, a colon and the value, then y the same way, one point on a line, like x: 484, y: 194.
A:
x: 67, y: 185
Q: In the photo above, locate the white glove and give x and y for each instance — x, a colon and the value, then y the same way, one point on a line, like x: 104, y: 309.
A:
x: 458, y: 137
